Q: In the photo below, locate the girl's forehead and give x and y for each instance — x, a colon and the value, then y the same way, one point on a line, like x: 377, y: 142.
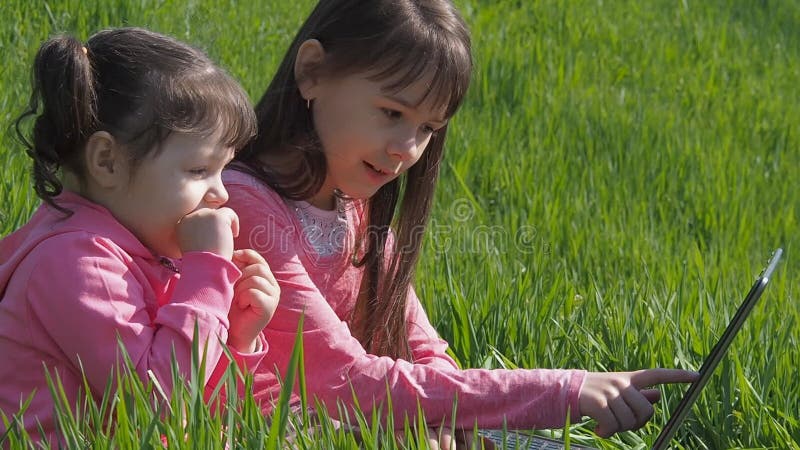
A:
x: 222, y: 152
x: 411, y: 93
x: 200, y: 144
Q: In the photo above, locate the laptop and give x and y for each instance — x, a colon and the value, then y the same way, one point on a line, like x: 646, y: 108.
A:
x: 511, y: 439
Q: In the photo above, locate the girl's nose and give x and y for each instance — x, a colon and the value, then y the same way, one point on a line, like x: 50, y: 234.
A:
x: 217, y: 195
x: 404, y: 147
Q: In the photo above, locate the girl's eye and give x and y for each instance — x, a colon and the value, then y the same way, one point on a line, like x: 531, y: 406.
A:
x: 427, y: 129
x: 199, y: 172
x: 390, y: 113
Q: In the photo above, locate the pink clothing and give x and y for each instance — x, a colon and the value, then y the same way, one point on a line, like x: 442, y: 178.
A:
x: 70, y: 287
x: 325, y: 289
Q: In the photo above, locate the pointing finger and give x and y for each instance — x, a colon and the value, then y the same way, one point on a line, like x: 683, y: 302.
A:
x: 651, y: 377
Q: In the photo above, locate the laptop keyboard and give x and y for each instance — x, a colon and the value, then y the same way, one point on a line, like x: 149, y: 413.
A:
x: 520, y: 441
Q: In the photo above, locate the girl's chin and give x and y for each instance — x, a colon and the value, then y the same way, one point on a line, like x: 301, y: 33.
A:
x: 359, y: 194
x: 328, y: 201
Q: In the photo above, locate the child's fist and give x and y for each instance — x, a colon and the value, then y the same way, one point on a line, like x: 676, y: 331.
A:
x: 255, y: 297
x: 208, y: 230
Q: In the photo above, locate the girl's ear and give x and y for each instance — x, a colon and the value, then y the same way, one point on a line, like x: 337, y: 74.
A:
x: 106, y: 163
x: 310, y: 57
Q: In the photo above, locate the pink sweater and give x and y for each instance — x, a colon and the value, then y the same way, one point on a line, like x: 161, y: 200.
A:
x: 69, y: 287
x: 337, y: 366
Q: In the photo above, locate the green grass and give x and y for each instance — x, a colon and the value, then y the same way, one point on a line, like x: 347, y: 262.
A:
x: 618, y: 175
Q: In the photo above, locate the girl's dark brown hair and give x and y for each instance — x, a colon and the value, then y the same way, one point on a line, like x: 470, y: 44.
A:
x: 139, y: 86
x: 400, y: 42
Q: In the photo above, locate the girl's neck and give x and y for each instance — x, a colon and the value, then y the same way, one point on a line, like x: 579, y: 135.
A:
x: 324, y: 198
x: 86, y: 189
x: 70, y: 181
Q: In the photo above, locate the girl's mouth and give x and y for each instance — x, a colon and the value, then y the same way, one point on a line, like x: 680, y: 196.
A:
x: 376, y: 170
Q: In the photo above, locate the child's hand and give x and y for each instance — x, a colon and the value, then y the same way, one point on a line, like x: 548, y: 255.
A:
x: 208, y: 230
x: 255, y: 297
x: 620, y: 401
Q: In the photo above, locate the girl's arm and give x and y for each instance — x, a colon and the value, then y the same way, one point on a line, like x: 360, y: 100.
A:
x: 94, y: 293
x: 337, y: 366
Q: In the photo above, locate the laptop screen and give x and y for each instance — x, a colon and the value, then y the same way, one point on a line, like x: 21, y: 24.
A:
x: 716, y: 354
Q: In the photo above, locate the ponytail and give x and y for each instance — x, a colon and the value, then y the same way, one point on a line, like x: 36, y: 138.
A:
x: 63, y: 89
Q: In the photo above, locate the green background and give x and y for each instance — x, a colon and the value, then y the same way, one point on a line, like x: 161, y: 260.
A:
x: 618, y: 175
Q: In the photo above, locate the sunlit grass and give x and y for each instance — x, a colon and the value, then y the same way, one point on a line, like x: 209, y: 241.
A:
x: 618, y: 175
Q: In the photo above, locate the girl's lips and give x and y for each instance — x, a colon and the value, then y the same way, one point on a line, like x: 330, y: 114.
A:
x: 376, y: 170
x: 390, y: 172
x: 376, y: 175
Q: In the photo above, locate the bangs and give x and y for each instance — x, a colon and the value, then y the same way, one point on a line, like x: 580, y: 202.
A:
x: 409, y: 53
x: 448, y: 62
x: 205, y: 103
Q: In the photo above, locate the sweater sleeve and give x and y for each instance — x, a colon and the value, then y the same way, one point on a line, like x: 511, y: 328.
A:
x: 246, y: 362
x: 339, y: 369
x: 93, y: 294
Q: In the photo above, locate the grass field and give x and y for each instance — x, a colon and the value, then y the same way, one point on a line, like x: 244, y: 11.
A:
x: 618, y: 175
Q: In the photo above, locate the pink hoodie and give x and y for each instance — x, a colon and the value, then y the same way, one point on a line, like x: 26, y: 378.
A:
x: 324, y: 290
x: 70, y: 287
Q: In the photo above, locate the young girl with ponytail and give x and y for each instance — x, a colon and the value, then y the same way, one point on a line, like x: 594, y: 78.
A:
x: 131, y: 132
